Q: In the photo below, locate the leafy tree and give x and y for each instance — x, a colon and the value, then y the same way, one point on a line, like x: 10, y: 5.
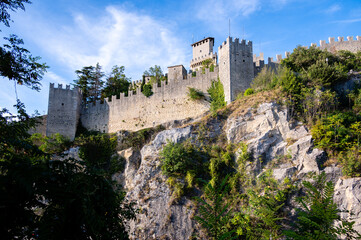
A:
x: 96, y: 83
x: 155, y: 73
x: 12, y: 5
x: 216, y: 93
x: 17, y: 64
x: 83, y: 81
x: 50, y: 199
x: 41, y: 197
x: 90, y: 82
x: 116, y: 83
x: 318, y: 214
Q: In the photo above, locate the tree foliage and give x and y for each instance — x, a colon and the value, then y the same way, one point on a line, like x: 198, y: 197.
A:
x: 214, y: 213
x: 11, y: 5
x: 41, y: 197
x: 216, y: 93
x: 155, y: 73
x: 89, y: 81
x: 116, y: 83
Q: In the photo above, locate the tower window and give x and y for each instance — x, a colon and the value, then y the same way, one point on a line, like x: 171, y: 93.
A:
x: 244, y: 60
x: 62, y: 104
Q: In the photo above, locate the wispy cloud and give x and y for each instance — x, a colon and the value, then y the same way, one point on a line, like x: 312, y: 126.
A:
x: 119, y: 37
x: 332, y: 9
x: 354, y: 20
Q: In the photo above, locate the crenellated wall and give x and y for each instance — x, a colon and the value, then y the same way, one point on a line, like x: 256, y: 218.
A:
x: 136, y: 111
x: 350, y: 44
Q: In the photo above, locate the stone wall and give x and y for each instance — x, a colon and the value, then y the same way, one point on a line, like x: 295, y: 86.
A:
x: 352, y: 45
x: 136, y: 111
x: 63, y: 111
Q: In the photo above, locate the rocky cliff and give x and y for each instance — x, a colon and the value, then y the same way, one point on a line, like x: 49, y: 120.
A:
x: 273, y: 140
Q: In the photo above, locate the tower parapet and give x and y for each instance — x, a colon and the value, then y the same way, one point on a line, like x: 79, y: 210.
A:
x: 236, y: 70
x: 63, y: 110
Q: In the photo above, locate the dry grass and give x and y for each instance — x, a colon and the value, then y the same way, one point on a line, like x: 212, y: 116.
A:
x: 241, y: 105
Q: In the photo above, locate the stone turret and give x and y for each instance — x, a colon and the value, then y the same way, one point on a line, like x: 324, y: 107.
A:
x: 63, y: 111
x: 203, y: 50
x: 236, y: 69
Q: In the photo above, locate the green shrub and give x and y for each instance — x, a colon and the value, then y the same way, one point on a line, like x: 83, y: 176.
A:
x: 265, y: 80
x: 179, y: 158
x: 334, y: 132
x: 194, y: 74
x: 98, y: 152
x: 211, y: 68
x: 195, y: 94
x: 216, y: 93
x: 249, y: 91
x: 147, y: 90
x: 56, y: 143
x: 351, y: 162
x: 136, y: 140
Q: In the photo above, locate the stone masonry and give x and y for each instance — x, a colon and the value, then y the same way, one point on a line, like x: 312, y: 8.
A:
x: 236, y: 68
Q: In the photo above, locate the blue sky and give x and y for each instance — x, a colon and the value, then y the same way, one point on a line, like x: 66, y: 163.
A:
x: 137, y: 34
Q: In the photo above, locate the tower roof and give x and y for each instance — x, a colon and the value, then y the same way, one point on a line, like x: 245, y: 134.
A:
x: 203, y: 40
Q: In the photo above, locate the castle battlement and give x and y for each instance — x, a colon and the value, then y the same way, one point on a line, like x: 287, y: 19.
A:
x: 60, y: 87
x: 236, y: 42
x: 169, y: 101
x: 349, y: 44
x: 200, y: 81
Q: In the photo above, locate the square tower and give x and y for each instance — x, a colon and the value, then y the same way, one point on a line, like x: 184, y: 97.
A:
x: 63, y: 111
x: 203, y: 50
x: 236, y: 70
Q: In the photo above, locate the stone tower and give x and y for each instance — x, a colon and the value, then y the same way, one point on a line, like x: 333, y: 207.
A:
x: 203, y: 50
x: 63, y: 111
x: 236, y: 70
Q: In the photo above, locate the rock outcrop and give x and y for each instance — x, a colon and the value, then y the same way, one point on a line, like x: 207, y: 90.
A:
x: 270, y: 137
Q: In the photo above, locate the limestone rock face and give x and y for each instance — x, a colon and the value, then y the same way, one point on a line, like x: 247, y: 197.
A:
x: 132, y: 163
x: 271, y: 139
x: 158, y: 217
x: 270, y: 136
x: 348, y: 197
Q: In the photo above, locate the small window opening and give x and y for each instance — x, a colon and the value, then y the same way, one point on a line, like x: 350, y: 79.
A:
x: 244, y: 60
x: 62, y: 104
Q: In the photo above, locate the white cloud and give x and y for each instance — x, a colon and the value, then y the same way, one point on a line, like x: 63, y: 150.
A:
x: 332, y: 9
x: 119, y: 37
x: 354, y: 20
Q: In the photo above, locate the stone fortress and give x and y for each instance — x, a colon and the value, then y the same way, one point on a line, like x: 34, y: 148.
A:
x: 235, y: 66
